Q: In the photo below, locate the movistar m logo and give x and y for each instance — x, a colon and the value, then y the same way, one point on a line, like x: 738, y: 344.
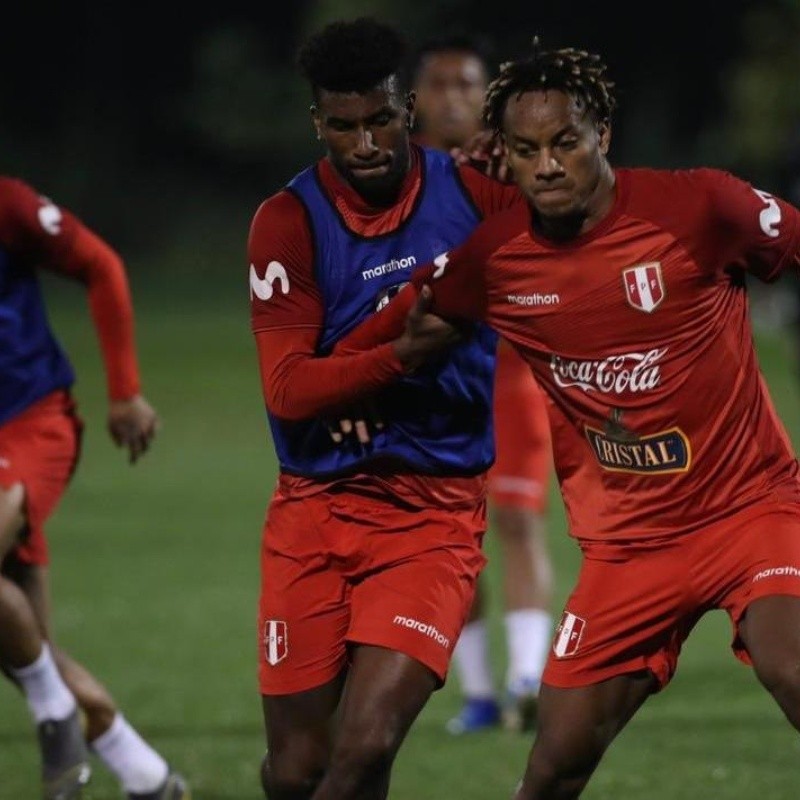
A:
x: 262, y: 287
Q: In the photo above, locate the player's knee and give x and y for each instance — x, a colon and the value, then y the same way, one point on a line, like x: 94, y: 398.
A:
x: 369, y: 754
x: 289, y: 776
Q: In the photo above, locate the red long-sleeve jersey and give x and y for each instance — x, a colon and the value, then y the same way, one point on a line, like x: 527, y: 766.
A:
x: 639, y: 333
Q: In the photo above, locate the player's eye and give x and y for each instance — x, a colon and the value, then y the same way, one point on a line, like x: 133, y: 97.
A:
x: 382, y: 120
x: 568, y: 144
x: 339, y: 125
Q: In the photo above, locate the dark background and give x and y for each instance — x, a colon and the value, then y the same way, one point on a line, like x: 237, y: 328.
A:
x: 164, y: 124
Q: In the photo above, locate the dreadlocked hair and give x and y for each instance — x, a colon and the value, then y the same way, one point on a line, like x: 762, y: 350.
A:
x: 352, y: 56
x: 574, y: 72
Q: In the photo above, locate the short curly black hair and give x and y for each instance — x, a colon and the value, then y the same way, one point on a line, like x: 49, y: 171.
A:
x: 352, y: 55
x: 575, y: 72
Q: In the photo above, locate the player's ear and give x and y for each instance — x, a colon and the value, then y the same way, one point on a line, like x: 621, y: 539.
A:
x: 411, y: 102
x: 316, y: 121
x: 604, y: 136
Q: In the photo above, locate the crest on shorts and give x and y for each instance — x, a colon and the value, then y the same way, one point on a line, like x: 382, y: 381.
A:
x: 568, y: 635
x: 276, y: 641
x: 644, y: 286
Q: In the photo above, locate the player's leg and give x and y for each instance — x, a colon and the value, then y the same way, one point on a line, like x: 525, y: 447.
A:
x: 574, y: 729
x: 304, y: 613
x: 518, y: 485
x: 412, y: 589
x: 473, y: 669
x: 384, y: 693
x: 27, y: 660
x: 141, y: 770
x: 299, y: 740
x: 618, y: 641
x: 770, y: 631
x: 528, y: 587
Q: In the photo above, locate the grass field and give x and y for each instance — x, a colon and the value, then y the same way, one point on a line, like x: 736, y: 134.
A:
x: 155, y: 575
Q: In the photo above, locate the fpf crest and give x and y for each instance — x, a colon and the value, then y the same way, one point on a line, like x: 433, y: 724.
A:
x: 644, y: 286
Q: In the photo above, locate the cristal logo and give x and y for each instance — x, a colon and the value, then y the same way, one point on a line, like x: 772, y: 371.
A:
x: 630, y: 372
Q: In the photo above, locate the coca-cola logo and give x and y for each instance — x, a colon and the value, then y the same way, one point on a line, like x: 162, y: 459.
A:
x: 629, y: 372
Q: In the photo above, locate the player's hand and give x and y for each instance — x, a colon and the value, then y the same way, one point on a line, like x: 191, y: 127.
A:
x: 426, y: 334
x: 485, y: 151
x: 359, y: 421
x: 132, y: 424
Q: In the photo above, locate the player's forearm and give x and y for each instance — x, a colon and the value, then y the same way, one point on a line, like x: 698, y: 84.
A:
x: 301, y: 386
x: 384, y: 327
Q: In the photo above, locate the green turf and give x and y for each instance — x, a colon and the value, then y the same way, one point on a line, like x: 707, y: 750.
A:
x: 155, y: 574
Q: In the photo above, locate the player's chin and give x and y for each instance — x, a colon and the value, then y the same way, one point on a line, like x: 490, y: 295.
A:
x: 555, y: 205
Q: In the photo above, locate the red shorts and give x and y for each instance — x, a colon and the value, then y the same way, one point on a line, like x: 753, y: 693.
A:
x: 338, y: 568
x: 39, y: 448
x: 633, y: 609
x: 520, y: 475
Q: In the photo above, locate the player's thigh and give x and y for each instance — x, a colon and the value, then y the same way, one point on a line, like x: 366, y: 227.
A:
x: 12, y: 515
x: 420, y: 585
x: 576, y: 725
x: 385, y: 692
x: 770, y: 632
x: 304, y: 605
x: 298, y: 729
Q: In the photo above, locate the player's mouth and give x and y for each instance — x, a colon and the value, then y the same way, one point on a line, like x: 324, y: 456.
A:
x: 371, y: 170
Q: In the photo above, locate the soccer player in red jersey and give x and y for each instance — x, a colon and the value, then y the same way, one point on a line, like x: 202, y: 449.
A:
x: 371, y: 548
x: 624, y: 289
x: 40, y: 433
x: 450, y: 78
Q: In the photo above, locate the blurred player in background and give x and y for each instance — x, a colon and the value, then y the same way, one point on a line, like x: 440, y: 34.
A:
x: 371, y: 548
x: 450, y: 78
x: 625, y: 291
x: 40, y: 434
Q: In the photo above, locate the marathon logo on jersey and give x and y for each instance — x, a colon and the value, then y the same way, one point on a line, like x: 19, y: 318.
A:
x: 276, y: 641
x: 660, y: 453
x: 568, y: 635
x: 425, y: 628
x: 644, y: 286
x: 390, y: 266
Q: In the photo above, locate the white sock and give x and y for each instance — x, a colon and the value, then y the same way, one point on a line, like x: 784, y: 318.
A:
x: 471, y: 656
x: 528, y: 633
x: 139, y: 768
x: 47, y: 695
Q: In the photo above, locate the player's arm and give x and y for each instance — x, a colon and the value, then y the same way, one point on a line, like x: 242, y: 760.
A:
x: 457, y: 286
x: 54, y: 238
x: 759, y: 231
x: 287, y: 317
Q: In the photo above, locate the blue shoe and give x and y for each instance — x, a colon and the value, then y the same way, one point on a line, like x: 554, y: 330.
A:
x: 477, y: 714
x: 521, y: 706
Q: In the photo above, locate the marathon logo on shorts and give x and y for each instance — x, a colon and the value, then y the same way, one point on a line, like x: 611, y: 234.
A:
x: 568, y: 635
x: 777, y: 572
x: 276, y: 641
x: 426, y: 629
x: 659, y: 453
